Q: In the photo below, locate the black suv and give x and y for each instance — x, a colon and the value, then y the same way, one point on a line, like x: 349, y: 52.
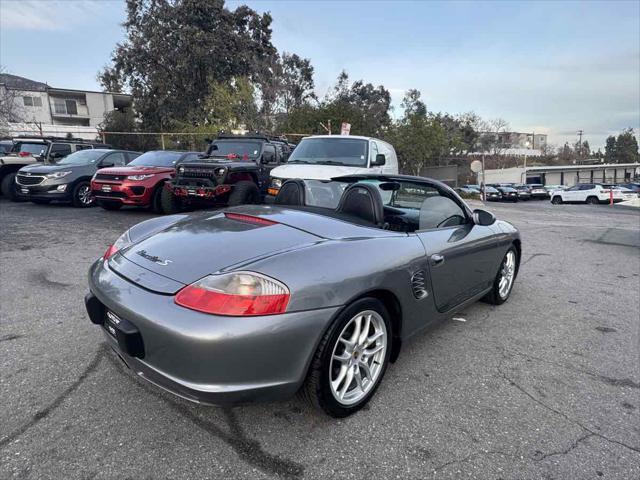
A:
x: 234, y: 171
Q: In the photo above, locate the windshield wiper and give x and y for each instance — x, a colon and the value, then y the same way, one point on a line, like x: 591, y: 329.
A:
x: 330, y: 162
x: 298, y: 161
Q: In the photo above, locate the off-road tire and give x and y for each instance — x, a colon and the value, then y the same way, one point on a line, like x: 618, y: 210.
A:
x: 107, y: 205
x: 316, y: 389
x: 243, y: 193
x: 169, y: 203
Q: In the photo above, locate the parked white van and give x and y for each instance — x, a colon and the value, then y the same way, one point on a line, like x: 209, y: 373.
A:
x: 322, y: 157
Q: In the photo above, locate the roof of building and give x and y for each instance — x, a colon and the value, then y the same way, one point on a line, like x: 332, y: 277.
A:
x: 20, y: 83
x: 582, y: 167
x: 16, y: 82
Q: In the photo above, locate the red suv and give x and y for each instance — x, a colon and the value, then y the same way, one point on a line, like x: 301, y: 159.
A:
x: 138, y: 184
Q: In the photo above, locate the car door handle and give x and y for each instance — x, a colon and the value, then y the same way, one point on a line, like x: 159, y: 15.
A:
x: 436, y: 259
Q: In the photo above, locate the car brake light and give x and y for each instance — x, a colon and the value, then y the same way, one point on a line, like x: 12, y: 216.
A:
x: 111, y: 251
x: 250, y: 219
x: 123, y: 241
x: 235, y: 294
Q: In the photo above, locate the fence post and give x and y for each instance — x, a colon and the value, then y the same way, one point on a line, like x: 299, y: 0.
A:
x: 162, y: 140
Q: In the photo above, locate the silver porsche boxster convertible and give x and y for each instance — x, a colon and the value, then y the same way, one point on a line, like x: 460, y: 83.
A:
x: 315, y: 293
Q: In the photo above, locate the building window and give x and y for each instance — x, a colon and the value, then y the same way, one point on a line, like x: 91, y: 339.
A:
x: 32, y: 101
x: 69, y: 107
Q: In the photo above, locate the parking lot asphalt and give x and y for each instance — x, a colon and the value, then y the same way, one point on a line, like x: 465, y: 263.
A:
x: 544, y: 386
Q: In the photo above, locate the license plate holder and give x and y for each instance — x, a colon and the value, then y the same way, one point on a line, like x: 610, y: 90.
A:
x: 125, y: 333
x: 106, y: 188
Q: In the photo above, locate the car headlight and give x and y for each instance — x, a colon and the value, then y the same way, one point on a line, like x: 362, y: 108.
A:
x: 138, y: 177
x: 276, y: 183
x: 57, y: 174
x: 180, y: 169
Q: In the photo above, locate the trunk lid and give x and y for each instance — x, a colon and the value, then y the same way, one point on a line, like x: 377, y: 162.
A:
x: 206, y: 244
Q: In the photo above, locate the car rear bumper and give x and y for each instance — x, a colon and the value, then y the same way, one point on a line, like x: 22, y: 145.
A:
x: 205, y: 358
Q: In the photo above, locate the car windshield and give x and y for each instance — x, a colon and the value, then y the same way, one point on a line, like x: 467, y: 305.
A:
x: 157, y: 159
x: 83, y: 157
x: 507, y: 189
x: 235, y: 149
x: 32, y: 148
x: 331, y: 151
x: 490, y: 189
x: 6, y: 147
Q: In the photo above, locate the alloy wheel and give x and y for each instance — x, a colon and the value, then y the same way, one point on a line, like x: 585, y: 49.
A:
x: 84, y: 195
x: 358, y: 357
x: 507, y: 274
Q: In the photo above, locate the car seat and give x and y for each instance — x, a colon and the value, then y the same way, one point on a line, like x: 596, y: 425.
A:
x: 363, y: 200
x: 291, y: 193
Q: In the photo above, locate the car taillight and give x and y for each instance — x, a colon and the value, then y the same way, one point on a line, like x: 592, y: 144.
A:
x: 111, y: 251
x: 123, y: 241
x: 235, y: 294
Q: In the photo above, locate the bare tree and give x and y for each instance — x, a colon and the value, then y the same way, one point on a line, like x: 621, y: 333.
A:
x: 11, y: 109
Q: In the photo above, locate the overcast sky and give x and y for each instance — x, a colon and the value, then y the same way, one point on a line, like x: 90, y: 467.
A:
x: 548, y: 67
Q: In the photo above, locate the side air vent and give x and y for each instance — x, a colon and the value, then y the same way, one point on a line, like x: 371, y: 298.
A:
x: 419, y: 285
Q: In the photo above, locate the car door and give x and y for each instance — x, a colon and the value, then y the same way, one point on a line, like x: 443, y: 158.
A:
x: 461, y: 257
x: 583, y: 192
x: 268, y: 162
x: 571, y: 194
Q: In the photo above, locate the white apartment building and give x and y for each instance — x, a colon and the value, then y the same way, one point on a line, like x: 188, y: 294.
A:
x: 43, y: 110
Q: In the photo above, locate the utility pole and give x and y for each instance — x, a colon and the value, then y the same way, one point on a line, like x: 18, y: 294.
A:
x: 580, y: 143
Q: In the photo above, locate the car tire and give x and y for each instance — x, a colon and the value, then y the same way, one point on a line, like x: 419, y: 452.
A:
x: 324, y: 393
x: 169, y: 203
x: 593, y: 201
x: 81, y: 196
x: 107, y: 205
x: 156, y: 198
x: 40, y: 201
x: 508, y: 270
x: 8, y: 188
x: 556, y: 200
x: 243, y: 193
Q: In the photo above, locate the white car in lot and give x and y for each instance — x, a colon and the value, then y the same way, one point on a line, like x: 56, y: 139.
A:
x: 322, y: 157
x: 591, y: 193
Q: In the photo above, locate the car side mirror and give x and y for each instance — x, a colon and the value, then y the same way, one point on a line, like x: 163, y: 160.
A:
x: 484, y: 218
x: 267, y: 158
x: 379, y: 160
x: 106, y: 164
x: 55, y: 155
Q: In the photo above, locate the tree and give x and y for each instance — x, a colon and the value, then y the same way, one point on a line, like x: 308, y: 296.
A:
x: 412, y: 104
x: 11, y: 107
x: 175, y: 50
x: 361, y: 104
x: 610, y: 149
x: 626, y: 147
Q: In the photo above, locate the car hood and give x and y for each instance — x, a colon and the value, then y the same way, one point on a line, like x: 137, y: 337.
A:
x: 207, y: 243
x: 317, y: 172
x: 135, y: 170
x: 40, y: 169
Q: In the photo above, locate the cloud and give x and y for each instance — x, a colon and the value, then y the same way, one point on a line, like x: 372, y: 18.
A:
x: 47, y: 15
